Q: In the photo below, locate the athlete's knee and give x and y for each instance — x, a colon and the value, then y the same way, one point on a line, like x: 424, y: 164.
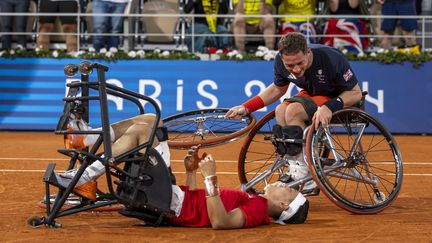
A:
x: 294, y: 110
x: 280, y: 113
x: 144, y: 118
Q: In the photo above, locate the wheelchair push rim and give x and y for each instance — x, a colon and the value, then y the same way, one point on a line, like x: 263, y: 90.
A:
x: 355, y: 162
x: 206, y: 127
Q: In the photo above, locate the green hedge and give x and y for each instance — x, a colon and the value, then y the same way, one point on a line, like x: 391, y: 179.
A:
x: 382, y: 56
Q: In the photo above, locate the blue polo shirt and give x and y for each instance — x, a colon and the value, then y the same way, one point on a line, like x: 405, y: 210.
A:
x: 329, y: 75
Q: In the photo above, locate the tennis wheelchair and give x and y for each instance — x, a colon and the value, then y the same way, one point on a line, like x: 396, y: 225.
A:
x: 139, y: 181
x: 354, y: 161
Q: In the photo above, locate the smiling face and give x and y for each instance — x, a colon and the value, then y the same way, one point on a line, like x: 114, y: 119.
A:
x: 297, y: 63
x: 295, y: 54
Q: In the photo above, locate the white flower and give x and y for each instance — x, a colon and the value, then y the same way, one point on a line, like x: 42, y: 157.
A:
x: 239, y: 56
x: 1, y: 53
x: 165, y: 53
x: 91, y: 49
x: 219, y: 51
x: 428, y: 50
x: 132, y: 54
x: 263, y: 49
x: 269, y: 56
x: 113, y: 50
x: 386, y: 50
x: 373, y: 54
x: 12, y: 52
x: 74, y: 53
x: 344, y: 51
x: 214, y: 57
x: 109, y: 54
x: 55, y: 54
x: 361, y: 54
x: 259, y: 54
x: 381, y: 50
x: 232, y: 53
x: 157, y: 51
x: 141, y: 53
x: 37, y: 49
x: 103, y: 50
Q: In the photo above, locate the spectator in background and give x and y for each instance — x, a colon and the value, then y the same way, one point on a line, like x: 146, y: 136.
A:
x: 350, y: 29
x: 14, y: 6
x: 250, y: 25
x: 408, y: 26
x: 297, y: 24
x: 68, y: 23
x: 108, y: 24
x: 209, y: 25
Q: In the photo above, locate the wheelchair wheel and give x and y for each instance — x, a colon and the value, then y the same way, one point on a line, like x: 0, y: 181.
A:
x: 361, y: 171
x: 205, y: 127
x: 258, y: 155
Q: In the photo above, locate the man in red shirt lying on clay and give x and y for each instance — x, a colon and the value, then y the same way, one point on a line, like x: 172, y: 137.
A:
x: 209, y: 206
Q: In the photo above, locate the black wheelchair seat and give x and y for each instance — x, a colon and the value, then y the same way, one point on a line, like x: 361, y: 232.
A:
x: 146, y: 188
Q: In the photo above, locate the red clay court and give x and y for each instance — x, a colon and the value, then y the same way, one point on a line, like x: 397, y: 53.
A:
x: 24, y: 157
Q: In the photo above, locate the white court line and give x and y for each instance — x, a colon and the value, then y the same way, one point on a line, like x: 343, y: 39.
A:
x: 58, y: 159
x: 176, y: 160
x: 38, y: 171
x: 176, y: 172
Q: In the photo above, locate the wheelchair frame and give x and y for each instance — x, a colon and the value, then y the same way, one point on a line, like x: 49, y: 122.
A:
x: 206, y: 127
x: 329, y: 162
x: 104, y: 140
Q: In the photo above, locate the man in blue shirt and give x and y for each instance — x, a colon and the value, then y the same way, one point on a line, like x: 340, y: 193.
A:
x: 328, y: 84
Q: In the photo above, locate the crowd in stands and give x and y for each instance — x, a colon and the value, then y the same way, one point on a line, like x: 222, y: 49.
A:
x: 211, y: 33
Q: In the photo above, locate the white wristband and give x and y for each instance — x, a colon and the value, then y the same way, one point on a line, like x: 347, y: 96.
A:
x: 211, y: 186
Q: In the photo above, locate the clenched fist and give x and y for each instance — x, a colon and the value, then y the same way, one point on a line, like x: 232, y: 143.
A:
x: 208, y: 166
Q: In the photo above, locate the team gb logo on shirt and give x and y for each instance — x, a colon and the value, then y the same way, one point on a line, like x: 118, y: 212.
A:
x: 320, y: 76
x: 347, y: 75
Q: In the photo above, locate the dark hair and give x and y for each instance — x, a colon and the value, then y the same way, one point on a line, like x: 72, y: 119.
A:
x: 292, y: 43
x: 301, y: 215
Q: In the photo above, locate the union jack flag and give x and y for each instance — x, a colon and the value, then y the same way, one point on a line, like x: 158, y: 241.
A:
x: 347, y: 75
x: 345, y: 33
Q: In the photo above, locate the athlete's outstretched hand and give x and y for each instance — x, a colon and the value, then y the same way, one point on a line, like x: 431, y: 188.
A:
x: 323, y: 115
x: 192, y: 158
x: 236, y: 113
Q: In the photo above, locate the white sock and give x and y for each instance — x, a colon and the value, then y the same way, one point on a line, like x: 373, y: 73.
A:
x: 92, y: 138
x: 95, y: 170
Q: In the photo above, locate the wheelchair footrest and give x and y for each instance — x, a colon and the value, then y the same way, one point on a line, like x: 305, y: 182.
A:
x: 49, y: 174
x: 87, y: 191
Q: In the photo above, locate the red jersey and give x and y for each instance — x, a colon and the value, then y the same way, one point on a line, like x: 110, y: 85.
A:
x: 194, y: 208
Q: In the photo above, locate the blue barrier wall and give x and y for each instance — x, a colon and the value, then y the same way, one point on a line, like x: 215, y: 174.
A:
x: 31, y: 90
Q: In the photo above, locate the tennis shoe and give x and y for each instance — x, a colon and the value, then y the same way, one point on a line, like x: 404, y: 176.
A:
x: 76, y: 141
x: 85, y: 186
x: 298, y: 170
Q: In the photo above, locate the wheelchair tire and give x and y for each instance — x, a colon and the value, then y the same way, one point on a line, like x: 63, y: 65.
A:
x: 258, y: 154
x: 361, y: 171
x: 206, y: 127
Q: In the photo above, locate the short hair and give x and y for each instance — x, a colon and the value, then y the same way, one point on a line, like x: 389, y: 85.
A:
x: 292, y: 43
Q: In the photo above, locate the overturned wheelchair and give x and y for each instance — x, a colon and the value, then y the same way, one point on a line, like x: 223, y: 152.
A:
x: 354, y: 161
x: 138, y: 179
